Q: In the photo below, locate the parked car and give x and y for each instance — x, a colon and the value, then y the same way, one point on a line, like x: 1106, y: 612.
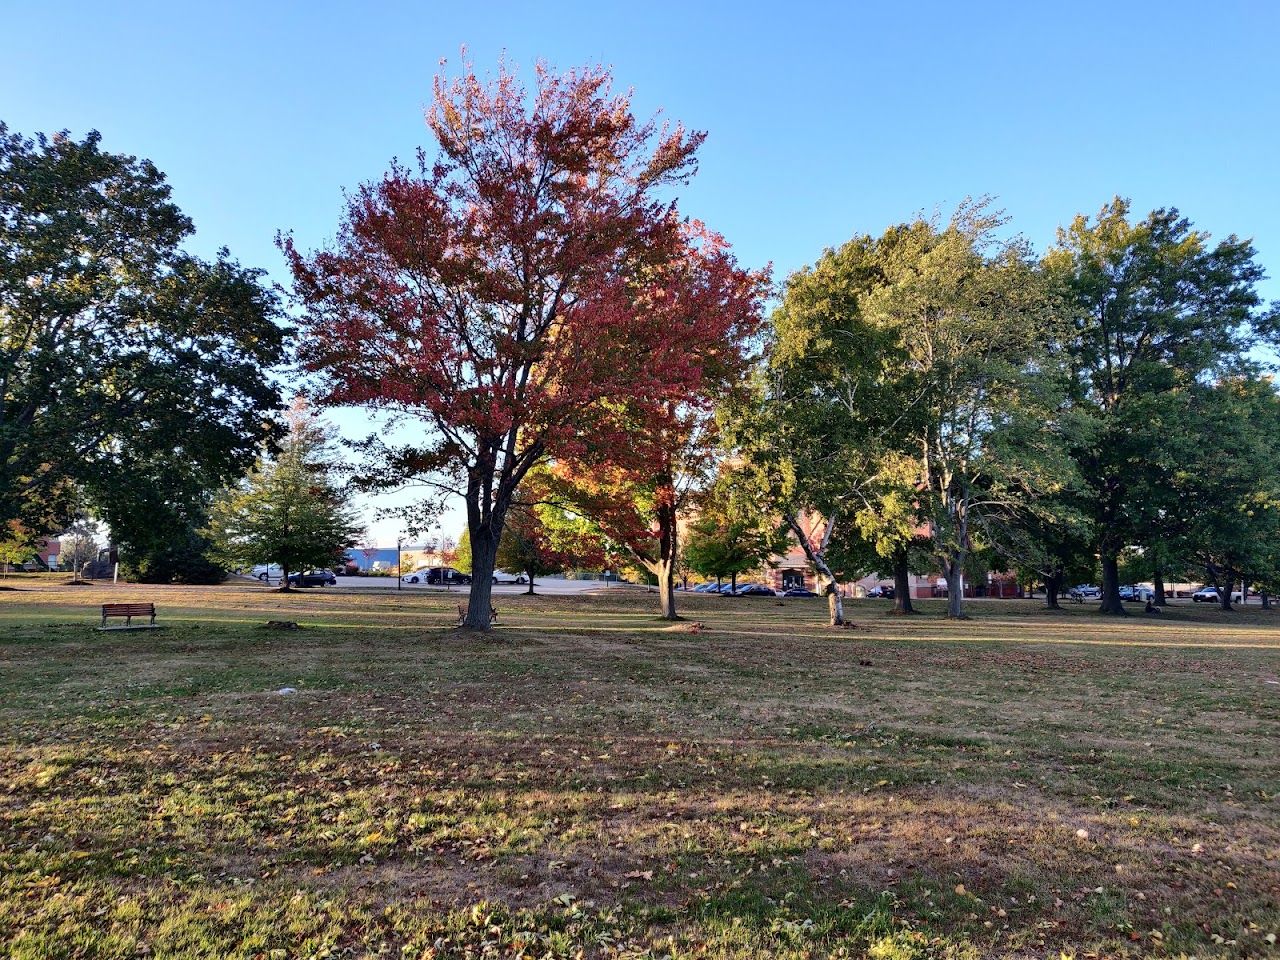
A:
x: 1210, y: 595
x: 881, y: 592
x: 502, y: 576
x: 709, y: 587
x: 726, y: 589
x: 313, y: 578
x: 1085, y: 591
x: 798, y: 592
x: 418, y: 576
x: 444, y: 576
x: 1133, y: 594
x: 267, y: 572
x: 754, y: 590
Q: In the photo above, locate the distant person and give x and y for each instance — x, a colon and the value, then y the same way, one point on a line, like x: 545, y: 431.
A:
x: 1151, y: 607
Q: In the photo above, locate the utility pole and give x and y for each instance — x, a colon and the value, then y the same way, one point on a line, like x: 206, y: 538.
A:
x: 399, y: 572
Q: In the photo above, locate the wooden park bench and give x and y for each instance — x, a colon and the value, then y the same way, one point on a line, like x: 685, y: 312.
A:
x: 462, y: 614
x: 129, y: 611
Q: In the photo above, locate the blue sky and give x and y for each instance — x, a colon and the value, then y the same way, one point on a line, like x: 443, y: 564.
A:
x: 824, y: 119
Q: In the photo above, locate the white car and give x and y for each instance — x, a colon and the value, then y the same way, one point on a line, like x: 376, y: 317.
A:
x: 1210, y: 595
x: 266, y: 572
x: 502, y: 576
x: 1085, y: 591
x: 418, y: 576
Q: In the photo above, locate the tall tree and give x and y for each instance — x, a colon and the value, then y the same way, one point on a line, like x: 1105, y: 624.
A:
x: 491, y: 293
x: 819, y: 410
x: 650, y: 456
x: 118, y: 351
x: 1229, y: 496
x: 968, y: 316
x: 905, y: 392
x: 288, y: 510
x: 1157, y: 307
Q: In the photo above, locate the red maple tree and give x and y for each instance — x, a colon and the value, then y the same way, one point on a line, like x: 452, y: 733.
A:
x: 497, y: 293
x: 636, y: 493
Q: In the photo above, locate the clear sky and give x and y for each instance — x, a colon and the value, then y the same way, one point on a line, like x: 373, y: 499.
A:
x: 824, y: 119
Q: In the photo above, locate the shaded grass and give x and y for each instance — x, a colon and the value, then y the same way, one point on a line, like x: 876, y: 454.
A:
x: 585, y: 780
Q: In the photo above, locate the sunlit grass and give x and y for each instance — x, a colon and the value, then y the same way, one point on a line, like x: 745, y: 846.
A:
x: 587, y: 780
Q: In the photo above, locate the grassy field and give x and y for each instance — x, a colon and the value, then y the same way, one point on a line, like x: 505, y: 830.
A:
x: 589, y: 782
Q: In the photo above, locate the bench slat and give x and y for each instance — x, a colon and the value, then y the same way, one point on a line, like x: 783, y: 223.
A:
x: 128, y: 609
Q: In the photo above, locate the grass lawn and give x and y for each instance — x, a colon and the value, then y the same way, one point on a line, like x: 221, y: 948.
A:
x: 588, y: 782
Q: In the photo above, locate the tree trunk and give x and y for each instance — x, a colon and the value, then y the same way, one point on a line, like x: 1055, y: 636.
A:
x: 826, y: 580
x: 954, y: 570
x: 664, y: 568
x: 484, y: 552
x: 1224, y: 593
x: 1266, y: 600
x: 1052, y: 590
x: 901, y: 583
x: 667, y: 594
x: 529, y: 592
x: 284, y: 576
x: 1111, y: 602
x: 1157, y: 586
x: 733, y: 582
x: 835, y: 602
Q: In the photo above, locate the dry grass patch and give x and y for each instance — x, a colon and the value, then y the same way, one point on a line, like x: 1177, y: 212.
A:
x: 594, y: 783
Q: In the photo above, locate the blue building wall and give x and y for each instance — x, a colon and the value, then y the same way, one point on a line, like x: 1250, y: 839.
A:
x: 386, y: 556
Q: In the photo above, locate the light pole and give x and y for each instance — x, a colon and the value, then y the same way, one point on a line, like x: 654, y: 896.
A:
x: 399, y: 574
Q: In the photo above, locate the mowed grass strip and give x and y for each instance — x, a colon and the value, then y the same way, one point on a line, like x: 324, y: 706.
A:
x: 590, y: 781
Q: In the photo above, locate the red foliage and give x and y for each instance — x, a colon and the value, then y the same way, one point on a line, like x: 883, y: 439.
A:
x: 492, y: 290
x: 520, y: 287
x: 635, y: 490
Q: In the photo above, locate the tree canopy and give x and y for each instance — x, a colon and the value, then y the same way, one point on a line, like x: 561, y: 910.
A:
x: 134, y: 374
x: 1156, y: 307
x: 508, y: 288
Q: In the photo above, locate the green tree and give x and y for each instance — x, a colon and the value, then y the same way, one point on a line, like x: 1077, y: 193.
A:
x: 968, y: 316
x: 118, y: 351
x: 907, y: 390
x: 15, y: 547
x: 809, y: 431
x: 80, y: 544
x: 526, y: 547
x: 731, y: 534
x: 288, y: 510
x: 1156, y: 308
x: 1229, y: 496
x: 462, y: 553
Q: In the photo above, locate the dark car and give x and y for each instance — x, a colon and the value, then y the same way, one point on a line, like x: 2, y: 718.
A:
x: 798, y: 592
x: 754, y: 590
x: 445, y: 576
x: 313, y: 578
x: 881, y: 592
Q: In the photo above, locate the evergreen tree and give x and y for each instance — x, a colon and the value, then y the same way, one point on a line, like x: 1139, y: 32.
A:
x: 288, y: 510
